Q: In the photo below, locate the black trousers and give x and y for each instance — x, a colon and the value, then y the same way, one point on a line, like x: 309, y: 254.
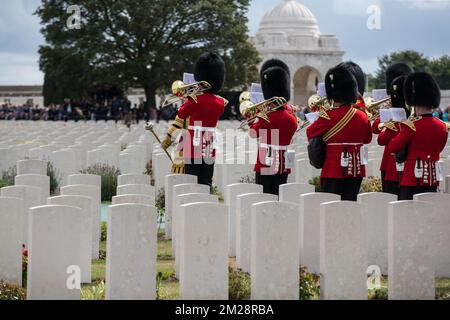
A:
x: 408, y: 193
x: 271, y: 184
x: 204, y: 171
x: 348, y: 188
x: 391, y: 187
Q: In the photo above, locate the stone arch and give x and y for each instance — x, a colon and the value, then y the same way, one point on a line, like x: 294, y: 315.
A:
x: 305, y: 84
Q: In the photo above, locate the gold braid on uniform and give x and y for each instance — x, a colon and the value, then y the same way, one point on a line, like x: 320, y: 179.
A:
x: 390, y: 125
x: 410, y: 123
x: 176, y: 126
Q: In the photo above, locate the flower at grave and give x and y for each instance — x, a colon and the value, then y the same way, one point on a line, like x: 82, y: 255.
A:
x: 24, y: 251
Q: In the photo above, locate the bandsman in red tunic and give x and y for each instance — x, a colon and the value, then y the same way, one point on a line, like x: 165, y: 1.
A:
x: 423, y: 137
x: 390, y: 169
x: 200, y: 118
x: 344, y: 130
x: 275, y: 160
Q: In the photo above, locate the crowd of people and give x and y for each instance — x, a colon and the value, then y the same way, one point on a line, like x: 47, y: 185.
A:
x: 81, y: 110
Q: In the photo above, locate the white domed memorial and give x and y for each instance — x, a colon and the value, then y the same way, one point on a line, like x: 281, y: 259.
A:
x: 290, y: 32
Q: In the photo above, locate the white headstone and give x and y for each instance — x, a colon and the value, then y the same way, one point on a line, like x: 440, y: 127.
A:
x: 142, y: 189
x: 179, y: 211
x: 309, y: 226
x: 441, y: 230
x: 30, y: 196
x: 232, y: 191
x: 131, y: 252
x: 161, y: 168
x: 243, y: 226
x: 290, y: 192
x: 179, y: 190
x: 410, y: 243
x: 94, y: 193
x: 133, y: 179
x: 32, y: 166
x: 86, y: 215
x: 375, y: 209
x: 204, y: 258
x: 274, y: 253
x: 35, y: 180
x: 54, y: 255
x: 12, y: 216
x: 172, y: 180
x: 305, y: 171
x: 343, y: 251
x: 134, y: 199
x: 63, y: 162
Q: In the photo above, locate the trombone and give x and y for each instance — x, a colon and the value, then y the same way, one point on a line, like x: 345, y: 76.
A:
x: 373, y: 107
x: 252, y: 111
x: 316, y: 104
x: 182, y: 91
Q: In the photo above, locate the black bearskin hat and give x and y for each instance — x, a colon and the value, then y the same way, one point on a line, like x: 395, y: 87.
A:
x: 421, y: 89
x: 274, y: 63
x: 359, y: 75
x: 394, y: 71
x: 210, y: 68
x: 341, y: 85
x: 276, y: 82
x: 397, y: 96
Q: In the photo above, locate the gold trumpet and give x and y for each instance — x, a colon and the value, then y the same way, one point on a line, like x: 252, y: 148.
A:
x: 317, y: 103
x: 182, y: 91
x: 373, y: 107
x: 252, y: 111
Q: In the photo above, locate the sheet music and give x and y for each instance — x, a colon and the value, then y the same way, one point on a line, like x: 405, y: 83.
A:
x: 398, y: 114
x: 379, y: 94
x: 321, y: 91
x: 188, y: 78
x: 385, y: 115
x: 257, y: 97
x: 312, y: 117
x: 256, y: 87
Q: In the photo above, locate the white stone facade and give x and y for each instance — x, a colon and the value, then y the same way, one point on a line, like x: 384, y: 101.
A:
x: 290, y: 32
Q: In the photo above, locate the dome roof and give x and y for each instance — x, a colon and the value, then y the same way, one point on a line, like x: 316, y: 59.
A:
x: 290, y: 17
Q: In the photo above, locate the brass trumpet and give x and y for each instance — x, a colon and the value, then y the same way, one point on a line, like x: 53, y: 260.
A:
x: 252, y: 111
x: 182, y: 91
x: 317, y: 103
x: 373, y: 107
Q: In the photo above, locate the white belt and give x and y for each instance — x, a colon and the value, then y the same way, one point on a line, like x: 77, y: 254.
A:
x: 203, y: 129
x: 267, y: 146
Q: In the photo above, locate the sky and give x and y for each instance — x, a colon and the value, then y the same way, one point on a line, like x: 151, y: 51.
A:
x: 422, y: 25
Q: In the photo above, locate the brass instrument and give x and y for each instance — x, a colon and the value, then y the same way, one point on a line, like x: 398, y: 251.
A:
x: 182, y: 91
x: 373, y: 107
x: 317, y: 103
x: 252, y: 111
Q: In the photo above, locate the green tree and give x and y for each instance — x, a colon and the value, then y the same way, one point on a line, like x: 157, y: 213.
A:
x: 418, y: 61
x: 440, y: 69
x: 146, y: 43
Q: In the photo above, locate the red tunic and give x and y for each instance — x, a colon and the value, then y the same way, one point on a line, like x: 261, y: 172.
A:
x: 273, y: 140
x: 425, y: 145
x: 204, y: 115
x: 389, y: 164
x: 348, y: 141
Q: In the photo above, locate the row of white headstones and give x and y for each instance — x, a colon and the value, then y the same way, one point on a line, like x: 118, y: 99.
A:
x: 270, y: 237
x: 74, y: 147
x: 84, y: 185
